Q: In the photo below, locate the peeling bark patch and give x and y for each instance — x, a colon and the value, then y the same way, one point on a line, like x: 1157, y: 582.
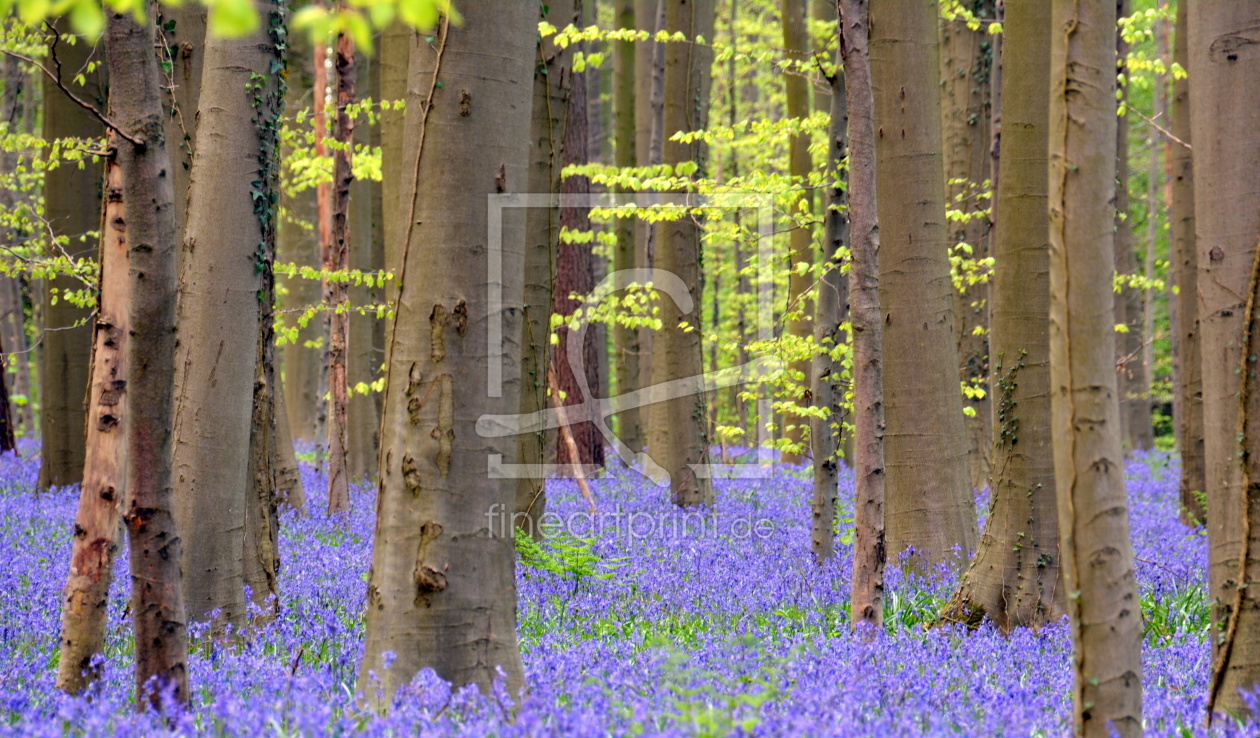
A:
x: 113, y: 392
x: 437, y: 324
x: 428, y: 579
x: 411, y: 475
x: 445, y: 430
x: 460, y: 316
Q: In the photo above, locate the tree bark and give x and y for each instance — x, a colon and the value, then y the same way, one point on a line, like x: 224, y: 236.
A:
x: 86, y: 595
x: 157, y: 597
x: 549, y: 111
x: 1225, y: 127
x: 299, y: 244
x: 1236, y: 668
x: 1135, y: 400
x: 965, y: 74
x: 363, y: 420
x: 1185, y: 274
x: 442, y: 590
x: 72, y: 208
x: 1013, y: 579
x: 626, y: 349
x: 334, y: 253
x: 869, y: 547
x: 832, y: 311
x: 575, y: 275
x: 796, y: 45
x: 394, y: 52
x: 224, y: 280
x: 182, y: 33
x: 288, y: 477
x: 15, y: 100
x: 676, y: 352
x: 1103, y: 604
x: 930, y: 507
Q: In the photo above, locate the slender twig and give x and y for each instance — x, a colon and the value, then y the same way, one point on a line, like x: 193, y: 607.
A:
x: 56, y: 78
x: 1161, y: 129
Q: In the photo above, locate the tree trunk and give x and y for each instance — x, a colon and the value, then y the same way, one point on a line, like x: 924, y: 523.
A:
x: 1135, y: 400
x: 1185, y: 274
x: 334, y: 256
x: 72, y: 208
x: 86, y: 594
x: 394, y: 53
x: 869, y: 547
x: 442, y: 590
x: 1088, y: 463
x: 575, y: 274
x: 833, y: 310
x: 676, y: 352
x: 288, y: 477
x: 1226, y: 126
x: 930, y: 504
x: 12, y: 313
x: 182, y: 33
x: 649, y: 122
x: 300, y: 245
x: 362, y: 418
x: 550, y: 104
x: 965, y: 70
x: 7, y: 440
x: 157, y: 594
x: 626, y: 349
x: 16, y: 358
x: 224, y: 277
x: 1013, y: 579
x: 796, y: 45
x: 1236, y: 669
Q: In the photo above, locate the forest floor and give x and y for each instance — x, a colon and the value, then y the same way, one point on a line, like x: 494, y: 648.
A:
x: 640, y: 622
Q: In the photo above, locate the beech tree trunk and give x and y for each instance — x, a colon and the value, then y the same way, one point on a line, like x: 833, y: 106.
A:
x: 1014, y: 577
x: 7, y: 439
x: 224, y: 280
x: 182, y: 33
x: 930, y: 504
x: 1185, y: 265
x: 334, y: 254
x: 869, y: 548
x: 72, y: 203
x: 1236, y: 669
x: 626, y: 348
x: 442, y: 589
x: 288, y: 477
x: 15, y: 100
x: 832, y: 311
x: 157, y: 594
x: 363, y: 420
x: 676, y: 352
x: 1135, y: 400
x: 1103, y: 607
x: 966, y: 65
x: 299, y: 244
x: 549, y: 111
x: 1225, y: 82
x: 575, y: 275
x: 797, y: 47
x: 86, y: 595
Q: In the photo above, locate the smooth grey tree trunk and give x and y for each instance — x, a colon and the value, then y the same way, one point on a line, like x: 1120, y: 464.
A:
x: 442, y: 590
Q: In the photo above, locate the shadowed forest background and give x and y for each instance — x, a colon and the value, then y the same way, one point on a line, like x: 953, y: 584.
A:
x: 630, y: 367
